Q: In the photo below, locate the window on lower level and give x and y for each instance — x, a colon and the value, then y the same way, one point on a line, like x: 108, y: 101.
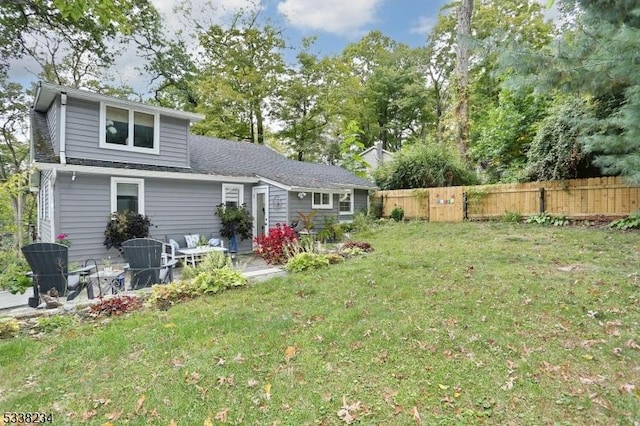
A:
x: 346, y: 203
x: 232, y: 194
x: 322, y: 200
x: 127, y: 194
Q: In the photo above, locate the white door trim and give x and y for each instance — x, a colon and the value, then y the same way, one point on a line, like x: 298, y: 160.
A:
x: 262, y: 189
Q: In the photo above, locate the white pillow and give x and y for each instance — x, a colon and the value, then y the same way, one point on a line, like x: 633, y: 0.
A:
x: 214, y: 242
x: 173, y: 243
x: 192, y: 240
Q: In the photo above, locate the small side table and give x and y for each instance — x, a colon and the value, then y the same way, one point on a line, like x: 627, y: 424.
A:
x: 109, y: 281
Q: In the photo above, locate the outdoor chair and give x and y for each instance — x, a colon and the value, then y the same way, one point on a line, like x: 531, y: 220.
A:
x: 145, y: 257
x: 49, y: 263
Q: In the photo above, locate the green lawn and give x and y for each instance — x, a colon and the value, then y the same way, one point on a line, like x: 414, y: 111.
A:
x: 472, y: 323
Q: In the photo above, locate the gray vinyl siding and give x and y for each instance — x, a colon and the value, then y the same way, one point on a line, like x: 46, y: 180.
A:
x: 44, y: 197
x: 53, y: 121
x: 304, y: 205
x: 82, y: 138
x: 172, y: 207
x: 278, y: 202
x: 361, y: 201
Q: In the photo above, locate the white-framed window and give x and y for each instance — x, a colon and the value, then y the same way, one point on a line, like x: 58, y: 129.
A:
x: 232, y: 194
x: 45, y: 200
x: 322, y: 200
x: 127, y: 194
x: 129, y: 130
x: 345, y: 205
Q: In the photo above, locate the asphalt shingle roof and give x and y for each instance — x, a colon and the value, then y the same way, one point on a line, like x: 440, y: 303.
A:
x: 221, y: 157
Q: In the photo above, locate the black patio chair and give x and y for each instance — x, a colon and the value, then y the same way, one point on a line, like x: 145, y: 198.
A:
x: 147, y: 262
x: 49, y: 263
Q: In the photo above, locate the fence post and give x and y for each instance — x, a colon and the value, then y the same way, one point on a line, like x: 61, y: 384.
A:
x: 542, y: 200
x: 465, y: 206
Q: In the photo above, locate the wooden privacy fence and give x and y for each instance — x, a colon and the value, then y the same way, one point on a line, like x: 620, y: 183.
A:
x: 575, y: 199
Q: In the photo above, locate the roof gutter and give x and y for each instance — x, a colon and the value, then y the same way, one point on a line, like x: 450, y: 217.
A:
x: 63, y: 125
x: 115, y: 171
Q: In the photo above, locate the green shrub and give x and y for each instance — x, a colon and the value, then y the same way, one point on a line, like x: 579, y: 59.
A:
x: 362, y: 245
x: 539, y: 219
x: 123, y: 226
x: 56, y: 322
x: 9, y: 327
x: 397, y: 214
x: 351, y: 251
x: 630, y: 222
x: 511, y: 217
x: 332, y: 231
x: 216, y: 280
x: 303, y: 261
x: 361, y: 222
x: 14, y: 267
x: 164, y: 296
x: 334, y: 258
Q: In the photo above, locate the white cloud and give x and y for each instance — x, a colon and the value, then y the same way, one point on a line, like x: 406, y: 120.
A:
x: 424, y: 25
x: 340, y: 17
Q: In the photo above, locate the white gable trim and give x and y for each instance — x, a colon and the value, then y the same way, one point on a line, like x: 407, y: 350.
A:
x: 144, y: 173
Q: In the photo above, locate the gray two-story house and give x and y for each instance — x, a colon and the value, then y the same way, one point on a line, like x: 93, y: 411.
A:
x: 93, y: 155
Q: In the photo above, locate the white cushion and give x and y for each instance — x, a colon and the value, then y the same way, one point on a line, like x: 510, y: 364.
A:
x: 173, y: 243
x: 192, y: 240
x: 214, y: 242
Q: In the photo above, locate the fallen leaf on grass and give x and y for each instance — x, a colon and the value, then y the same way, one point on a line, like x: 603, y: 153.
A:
x: 140, y: 403
x: 289, y: 353
x: 88, y: 415
x: 629, y: 388
x: 267, y: 391
x: 173, y: 423
x: 348, y: 412
x: 221, y: 416
x: 208, y: 422
x: 632, y: 344
x: 416, y: 416
x: 443, y: 387
x: 115, y: 415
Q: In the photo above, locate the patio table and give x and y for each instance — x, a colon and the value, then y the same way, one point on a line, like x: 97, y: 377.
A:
x: 196, y: 254
x: 112, y: 281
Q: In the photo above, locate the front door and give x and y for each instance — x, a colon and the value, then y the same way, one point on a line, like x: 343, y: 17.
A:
x: 260, y: 211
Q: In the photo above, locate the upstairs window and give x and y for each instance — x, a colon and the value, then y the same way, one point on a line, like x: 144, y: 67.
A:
x: 130, y: 130
x: 322, y: 200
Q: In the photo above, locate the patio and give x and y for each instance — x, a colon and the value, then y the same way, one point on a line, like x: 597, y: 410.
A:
x: 251, y: 266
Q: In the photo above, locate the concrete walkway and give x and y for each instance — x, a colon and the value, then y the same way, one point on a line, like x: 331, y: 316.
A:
x: 251, y: 266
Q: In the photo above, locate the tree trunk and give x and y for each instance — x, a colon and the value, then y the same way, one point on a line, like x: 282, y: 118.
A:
x: 465, y: 10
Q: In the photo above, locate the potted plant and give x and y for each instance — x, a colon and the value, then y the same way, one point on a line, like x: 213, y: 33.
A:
x: 123, y: 226
x: 236, y: 222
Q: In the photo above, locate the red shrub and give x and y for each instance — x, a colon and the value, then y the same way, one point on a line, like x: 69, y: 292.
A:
x: 115, y: 306
x: 271, y: 247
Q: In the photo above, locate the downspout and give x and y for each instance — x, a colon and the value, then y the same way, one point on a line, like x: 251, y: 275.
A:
x: 63, y: 125
x: 52, y: 213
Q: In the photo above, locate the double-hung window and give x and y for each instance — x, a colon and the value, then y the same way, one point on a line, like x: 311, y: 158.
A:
x: 232, y: 194
x: 127, y: 194
x: 129, y: 130
x: 322, y: 200
x: 346, y: 203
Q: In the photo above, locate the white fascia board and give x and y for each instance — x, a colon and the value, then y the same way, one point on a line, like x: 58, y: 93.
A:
x: 337, y: 189
x: 46, y: 92
x: 116, y: 171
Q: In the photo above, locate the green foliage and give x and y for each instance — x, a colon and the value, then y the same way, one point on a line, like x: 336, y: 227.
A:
x: 423, y: 165
x: 9, y: 327
x: 511, y: 217
x: 48, y: 324
x: 397, y: 214
x: 307, y: 219
x: 332, y: 230
x: 236, y: 221
x: 630, y: 222
x: 362, y: 221
x: 350, y: 149
x: 123, y: 226
x: 305, y: 244
x: 206, y: 282
x: 547, y: 219
x: 556, y: 152
x: 334, y: 258
x: 14, y: 267
x: 303, y: 261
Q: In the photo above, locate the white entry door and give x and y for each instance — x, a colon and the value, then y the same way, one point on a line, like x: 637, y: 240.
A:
x: 260, y: 210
